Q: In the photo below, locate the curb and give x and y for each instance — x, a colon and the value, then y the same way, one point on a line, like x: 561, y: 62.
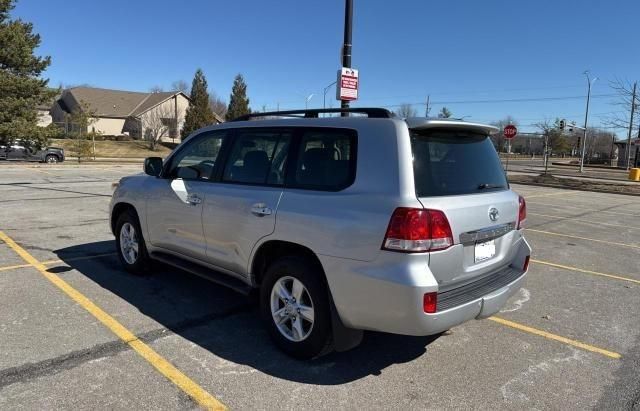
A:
x: 573, y: 188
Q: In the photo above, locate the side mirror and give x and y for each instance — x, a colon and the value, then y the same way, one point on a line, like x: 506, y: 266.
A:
x: 153, y: 166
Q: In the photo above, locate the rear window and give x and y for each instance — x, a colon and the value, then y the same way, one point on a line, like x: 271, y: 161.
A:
x: 453, y: 163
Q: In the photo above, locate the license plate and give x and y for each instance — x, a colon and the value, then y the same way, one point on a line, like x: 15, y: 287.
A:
x: 485, y: 250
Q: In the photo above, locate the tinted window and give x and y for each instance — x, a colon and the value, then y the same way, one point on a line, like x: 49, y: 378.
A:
x: 258, y: 157
x: 326, y: 160
x: 451, y: 163
x: 197, y: 159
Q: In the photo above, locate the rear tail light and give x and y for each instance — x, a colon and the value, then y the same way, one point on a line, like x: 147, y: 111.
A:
x: 414, y: 230
x: 525, y: 267
x: 522, y: 212
x: 430, y: 302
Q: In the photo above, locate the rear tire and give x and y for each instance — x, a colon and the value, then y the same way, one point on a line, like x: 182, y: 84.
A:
x: 294, y: 293
x: 130, y: 244
x: 51, y: 159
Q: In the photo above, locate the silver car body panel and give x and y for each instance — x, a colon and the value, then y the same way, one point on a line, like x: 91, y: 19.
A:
x: 372, y: 288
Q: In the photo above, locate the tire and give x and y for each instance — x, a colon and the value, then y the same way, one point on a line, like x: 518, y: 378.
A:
x: 133, y: 256
x: 297, y: 335
x: 51, y: 159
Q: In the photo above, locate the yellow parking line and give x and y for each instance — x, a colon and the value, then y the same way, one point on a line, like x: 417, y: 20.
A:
x: 84, y: 257
x: 574, y: 219
x: 13, y: 267
x: 585, y: 209
x: 50, y: 262
x: 156, y: 360
x: 555, y: 337
x: 581, y: 270
x: 582, y: 238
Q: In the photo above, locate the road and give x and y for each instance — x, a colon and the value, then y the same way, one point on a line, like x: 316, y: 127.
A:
x: 536, y: 166
x: 78, y: 332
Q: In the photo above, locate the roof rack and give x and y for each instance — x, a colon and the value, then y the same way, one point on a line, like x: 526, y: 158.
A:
x: 371, y: 112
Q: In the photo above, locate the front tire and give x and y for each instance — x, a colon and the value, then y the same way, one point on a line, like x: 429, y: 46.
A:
x: 130, y: 244
x: 295, y: 307
x: 51, y: 159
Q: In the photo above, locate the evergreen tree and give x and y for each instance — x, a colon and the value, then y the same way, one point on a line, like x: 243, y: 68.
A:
x: 21, y: 88
x: 445, y: 113
x: 199, y: 113
x: 238, y: 101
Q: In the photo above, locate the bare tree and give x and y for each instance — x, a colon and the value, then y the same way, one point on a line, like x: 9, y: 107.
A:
x: 181, y: 85
x: 159, y: 122
x: 218, y: 105
x: 406, y: 110
x: 555, y: 140
x: 156, y: 89
x: 621, y: 118
x: 498, y: 139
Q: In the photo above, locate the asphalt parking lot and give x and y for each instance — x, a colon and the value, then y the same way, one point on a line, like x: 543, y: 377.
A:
x: 78, y: 332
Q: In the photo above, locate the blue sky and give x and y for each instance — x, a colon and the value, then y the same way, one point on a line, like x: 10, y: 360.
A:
x: 455, y: 51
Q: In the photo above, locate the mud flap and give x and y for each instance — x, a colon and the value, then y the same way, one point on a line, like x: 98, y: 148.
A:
x: 344, y: 338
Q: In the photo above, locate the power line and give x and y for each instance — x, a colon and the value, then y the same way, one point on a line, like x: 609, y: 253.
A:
x: 510, y: 100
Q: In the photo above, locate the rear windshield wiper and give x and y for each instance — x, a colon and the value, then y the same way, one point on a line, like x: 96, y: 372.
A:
x: 485, y: 186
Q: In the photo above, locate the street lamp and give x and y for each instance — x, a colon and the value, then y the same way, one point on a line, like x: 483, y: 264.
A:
x: 586, y: 118
x: 324, y: 92
x: 307, y: 99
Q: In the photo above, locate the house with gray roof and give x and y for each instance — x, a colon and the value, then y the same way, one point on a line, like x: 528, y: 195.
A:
x: 119, y: 112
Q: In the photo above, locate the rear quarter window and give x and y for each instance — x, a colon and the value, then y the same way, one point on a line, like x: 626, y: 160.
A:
x: 325, y: 160
x: 455, y: 162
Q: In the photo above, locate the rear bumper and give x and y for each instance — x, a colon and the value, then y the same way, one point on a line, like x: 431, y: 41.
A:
x: 387, y: 294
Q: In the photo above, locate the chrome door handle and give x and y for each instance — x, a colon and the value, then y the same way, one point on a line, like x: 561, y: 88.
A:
x: 193, y: 199
x: 260, y: 210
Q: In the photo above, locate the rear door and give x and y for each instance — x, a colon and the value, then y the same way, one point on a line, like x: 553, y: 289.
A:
x: 460, y: 173
x: 241, y: 208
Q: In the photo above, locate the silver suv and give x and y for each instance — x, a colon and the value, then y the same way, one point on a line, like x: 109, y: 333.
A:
x: 341, y: 224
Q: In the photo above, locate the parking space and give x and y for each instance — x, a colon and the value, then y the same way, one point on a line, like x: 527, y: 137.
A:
x: 77, y: 331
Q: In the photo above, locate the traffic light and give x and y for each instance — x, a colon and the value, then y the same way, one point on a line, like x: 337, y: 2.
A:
x: 563, y: 123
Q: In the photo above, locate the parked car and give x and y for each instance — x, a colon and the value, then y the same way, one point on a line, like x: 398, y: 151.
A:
x: 342, y: 224
x: 22, y: 152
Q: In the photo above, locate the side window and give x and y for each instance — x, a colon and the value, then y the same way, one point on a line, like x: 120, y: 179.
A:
x: 258, y: 156
x: 326, y: 160
x: 198, y: 159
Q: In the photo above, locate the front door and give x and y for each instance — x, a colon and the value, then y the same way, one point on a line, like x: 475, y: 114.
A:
x: 175, y: 201
x: 241, y: 208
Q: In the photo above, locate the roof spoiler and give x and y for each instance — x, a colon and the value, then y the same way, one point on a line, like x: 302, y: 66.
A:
x: 422, y: 123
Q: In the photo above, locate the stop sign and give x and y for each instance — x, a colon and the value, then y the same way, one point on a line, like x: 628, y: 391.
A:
x: 510, y: 131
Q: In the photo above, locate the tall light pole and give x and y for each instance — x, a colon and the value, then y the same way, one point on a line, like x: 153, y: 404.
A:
x: 307, y: 99
x: 586, y: 118
x: 324, y: 92
x: 346, y: 46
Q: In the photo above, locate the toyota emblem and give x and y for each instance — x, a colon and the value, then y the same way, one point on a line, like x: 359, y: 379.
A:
x: 493, y: 214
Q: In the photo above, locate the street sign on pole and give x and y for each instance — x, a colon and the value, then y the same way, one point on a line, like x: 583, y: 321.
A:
x: 510, y: 131
x: 347, y: 86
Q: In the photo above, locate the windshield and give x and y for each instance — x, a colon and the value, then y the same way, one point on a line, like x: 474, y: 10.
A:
x: 454, y: 162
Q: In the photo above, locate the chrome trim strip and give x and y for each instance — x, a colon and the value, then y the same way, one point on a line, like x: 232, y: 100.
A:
x: 489, y: 233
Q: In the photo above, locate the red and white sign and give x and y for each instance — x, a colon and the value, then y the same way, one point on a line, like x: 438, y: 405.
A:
x: 510, y: 131
x: 347, y: 84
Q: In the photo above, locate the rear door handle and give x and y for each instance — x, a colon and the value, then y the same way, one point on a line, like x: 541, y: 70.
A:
x: 260, y: 210
x: 193, y: 199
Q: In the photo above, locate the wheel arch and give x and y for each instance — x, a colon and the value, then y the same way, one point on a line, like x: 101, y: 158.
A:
x: 271, y: 250
x: 117, y: 211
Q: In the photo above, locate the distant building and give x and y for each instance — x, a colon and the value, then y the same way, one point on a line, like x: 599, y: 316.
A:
x: 118, y: 112
x: 633, y: 157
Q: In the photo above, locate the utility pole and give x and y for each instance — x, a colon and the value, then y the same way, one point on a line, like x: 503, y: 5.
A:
x: 627, y: 152
x: 586, y: 118
x: 427, y: 109
x: 346, y: 46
